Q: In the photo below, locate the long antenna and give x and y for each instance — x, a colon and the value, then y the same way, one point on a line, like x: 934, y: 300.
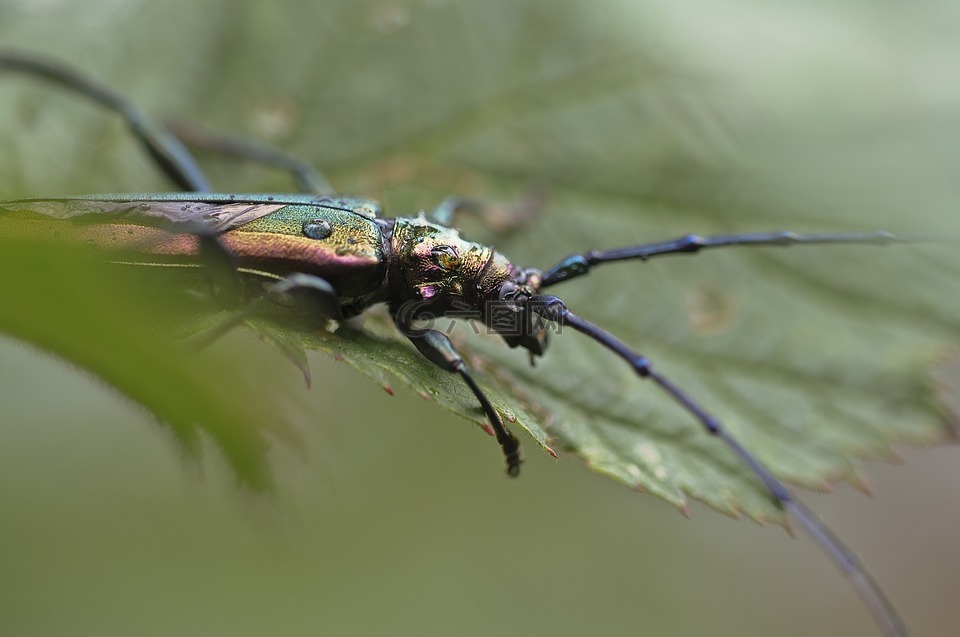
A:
x: 579, y: 264
x: 553, y: 309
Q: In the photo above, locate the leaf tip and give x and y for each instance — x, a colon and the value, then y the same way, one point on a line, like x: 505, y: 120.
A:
x: 946, y: 385
x: 862, y: 483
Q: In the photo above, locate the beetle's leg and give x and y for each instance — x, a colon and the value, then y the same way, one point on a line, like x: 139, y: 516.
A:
x: 553, y: 309
x: 579, y: 264
x: 166, y: 150
x: 308, y: 178
x: 221, y: 265
x: 438, y: 349
x: 450, y: 207
x: 321, y: 289
x: 502, y: 218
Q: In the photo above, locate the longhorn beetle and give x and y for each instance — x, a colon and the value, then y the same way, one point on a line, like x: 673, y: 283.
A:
x: 344, y: 252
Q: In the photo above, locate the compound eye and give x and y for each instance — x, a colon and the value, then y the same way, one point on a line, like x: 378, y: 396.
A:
x: 445, y: 256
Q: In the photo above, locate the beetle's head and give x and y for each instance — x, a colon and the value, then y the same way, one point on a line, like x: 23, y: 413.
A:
x: 521, y: 327
x: 445, y: 275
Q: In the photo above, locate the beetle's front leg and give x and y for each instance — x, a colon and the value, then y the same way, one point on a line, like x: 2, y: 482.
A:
x: 438, y: 349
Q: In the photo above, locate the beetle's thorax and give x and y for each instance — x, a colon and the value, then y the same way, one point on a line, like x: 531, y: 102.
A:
x: 436, y: 272
x: 432, y: 264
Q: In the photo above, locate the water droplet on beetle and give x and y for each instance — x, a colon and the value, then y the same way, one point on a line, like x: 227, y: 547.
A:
x: 317, y: 228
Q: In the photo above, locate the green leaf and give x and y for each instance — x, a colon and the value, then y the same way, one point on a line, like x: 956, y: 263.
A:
x: 813, y: 357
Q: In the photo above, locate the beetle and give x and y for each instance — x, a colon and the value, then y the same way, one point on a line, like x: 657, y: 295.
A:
x: 342, y: 251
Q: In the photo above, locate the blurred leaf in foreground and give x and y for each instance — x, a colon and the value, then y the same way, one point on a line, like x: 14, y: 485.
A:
x: 67, y: 301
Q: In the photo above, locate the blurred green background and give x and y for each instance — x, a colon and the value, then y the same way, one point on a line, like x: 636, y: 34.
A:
x: 110, y: 530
